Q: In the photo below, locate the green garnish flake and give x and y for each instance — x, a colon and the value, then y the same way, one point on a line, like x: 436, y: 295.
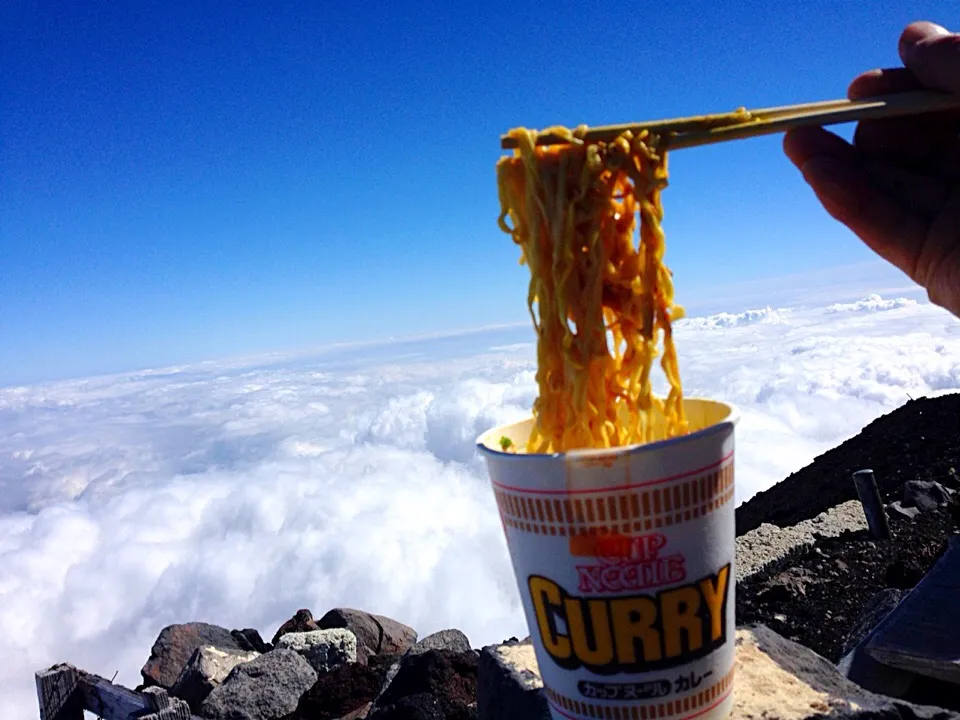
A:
x: 505, y: 442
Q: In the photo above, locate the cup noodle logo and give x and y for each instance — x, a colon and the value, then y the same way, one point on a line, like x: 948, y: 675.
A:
x: 631, y: 563
x: 647, y: 629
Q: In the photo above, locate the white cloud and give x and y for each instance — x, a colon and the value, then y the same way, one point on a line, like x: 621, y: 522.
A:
x: 237, y: 492
x: 724, y: 320
x: 871, y: 303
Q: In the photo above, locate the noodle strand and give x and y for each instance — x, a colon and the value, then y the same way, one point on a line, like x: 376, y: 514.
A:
x: 599, y: 301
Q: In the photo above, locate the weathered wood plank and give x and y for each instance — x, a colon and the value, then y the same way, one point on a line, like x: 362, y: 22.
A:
x: 109, y: 701
x: 57, y: 693
x: 64, y: 692
x: 922, y: 634
x: 166, y: 707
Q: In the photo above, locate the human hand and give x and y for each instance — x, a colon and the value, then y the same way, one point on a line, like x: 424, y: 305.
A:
x: 898, y: 186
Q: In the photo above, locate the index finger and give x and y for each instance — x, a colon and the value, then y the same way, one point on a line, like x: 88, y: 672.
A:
x: 882, y: 81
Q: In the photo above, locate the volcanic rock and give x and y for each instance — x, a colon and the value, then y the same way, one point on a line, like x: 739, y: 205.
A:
x: 509, y: 686
x: 449, y: 678
x: 207, y: 668
x: 925, y: 495
x: 347, y: 689
x: 323, y: 649
x: 302, y: 621
x: 786, y: 585
x: 176, y: 644
x: 267, y: 688
x: 951, y: 479
x: 249, y: 639
x: 375, y: 634
x: 359, y: 714
x: 896, y: 507
x: 453, y: 640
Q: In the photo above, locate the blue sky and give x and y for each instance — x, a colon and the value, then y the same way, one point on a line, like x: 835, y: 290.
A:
x: 188, y: 180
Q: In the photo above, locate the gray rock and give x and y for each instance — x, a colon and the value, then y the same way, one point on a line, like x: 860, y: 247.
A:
x: 176, y: 644
x: 509, y: 686
x: 249, y: 639
x: 391, y: 674
x: 451, y: 639
x: 376, y: 634
x: 207, y: 668
x: 768, y: 543
x: 267, y: 688
x: 323, y: 649
x: 896, y: 508
x: 925, y: 495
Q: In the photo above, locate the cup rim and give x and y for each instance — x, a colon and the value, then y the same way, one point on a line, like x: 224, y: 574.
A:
x: 732, y: 418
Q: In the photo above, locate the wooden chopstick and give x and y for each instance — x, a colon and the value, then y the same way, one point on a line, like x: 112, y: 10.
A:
x: 605, y: 133
x: 887, y: 106
x: 700, y: 130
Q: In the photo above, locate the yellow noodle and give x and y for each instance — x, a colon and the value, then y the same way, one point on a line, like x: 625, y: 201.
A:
x: 601, y: 302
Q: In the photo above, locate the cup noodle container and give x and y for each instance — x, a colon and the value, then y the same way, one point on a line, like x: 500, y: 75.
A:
x: 625, y: 563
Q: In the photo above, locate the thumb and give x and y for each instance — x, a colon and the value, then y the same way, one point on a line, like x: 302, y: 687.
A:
x: 932, y: 53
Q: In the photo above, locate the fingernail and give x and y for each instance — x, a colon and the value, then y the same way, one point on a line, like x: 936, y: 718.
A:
x: 826, y: 176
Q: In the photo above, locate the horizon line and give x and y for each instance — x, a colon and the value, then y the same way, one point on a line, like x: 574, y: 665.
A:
x: 240, y: 360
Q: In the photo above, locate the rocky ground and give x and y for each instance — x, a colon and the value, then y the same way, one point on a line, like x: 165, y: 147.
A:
x: 348, y: 664
x: 918, y: 441
x: 815, y: 594
x: 830, y: 574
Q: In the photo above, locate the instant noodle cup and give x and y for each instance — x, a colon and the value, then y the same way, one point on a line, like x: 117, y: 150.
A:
x: 624, y: 559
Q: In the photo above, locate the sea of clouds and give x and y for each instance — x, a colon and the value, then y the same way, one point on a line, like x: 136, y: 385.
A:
x: 238, y: 492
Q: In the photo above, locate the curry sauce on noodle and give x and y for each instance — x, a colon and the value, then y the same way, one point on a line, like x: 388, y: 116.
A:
x: 600, y: 296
